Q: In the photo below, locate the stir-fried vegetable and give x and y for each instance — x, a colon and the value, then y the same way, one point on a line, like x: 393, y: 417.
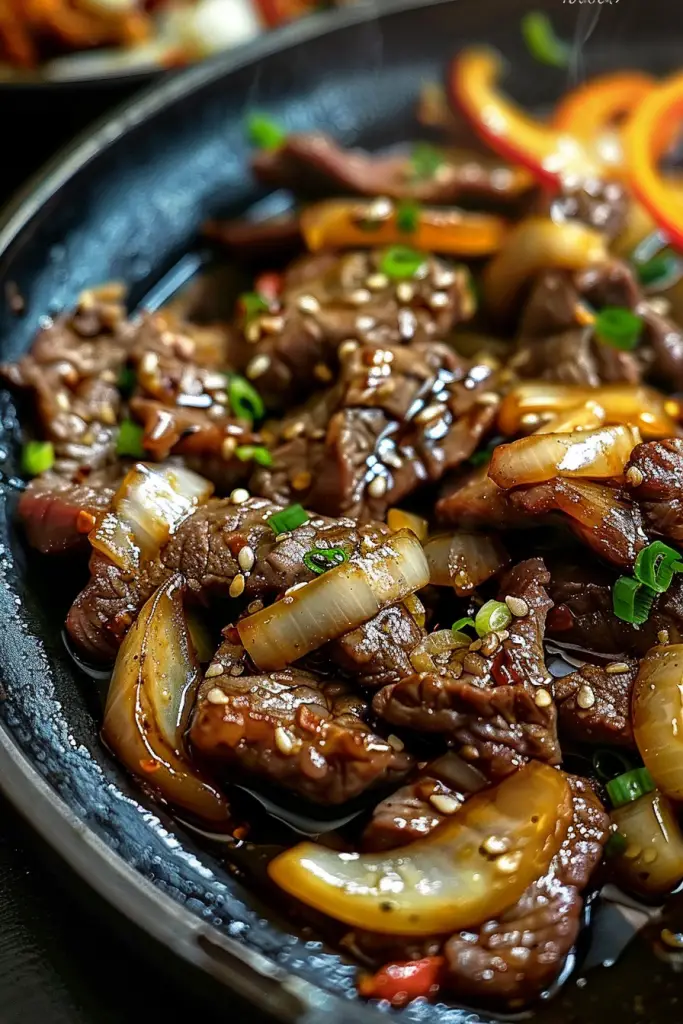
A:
x: 619, y: 328
x: 537, y: 244
x: 443, y: 641
x: 150, y: 696
x: 129, y: 442
x: 463, y: 560
x: 491, y: 617
x: 649, y: 860
x: 543, y: 42
x: 632, y: 601
x: 335, y: 603
x: 399, y: 519
x: 264, y: 132
x: 596, y: 454
x: 658, y: 716
x: 37, y: 457
x: 353, y: 223
x: 400, y: 983
x: 148, y: 507
x: 656, y: 564
x: 288, y: 519
x: 465, y: 872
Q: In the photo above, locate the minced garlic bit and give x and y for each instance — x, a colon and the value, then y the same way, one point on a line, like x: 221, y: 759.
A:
x: 444, y: 803
x: 585, y: 697
x: 217, y: 696
x: 542, y: 698
x: 616, y: 668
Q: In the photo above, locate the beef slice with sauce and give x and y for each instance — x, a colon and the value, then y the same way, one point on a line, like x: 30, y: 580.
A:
x: 654, y: 477
x: 57, y: 512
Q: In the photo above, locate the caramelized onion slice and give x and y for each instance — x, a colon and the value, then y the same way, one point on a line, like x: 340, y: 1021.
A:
x: 536, y: 244
x: 399, y: 519
x: 150, y: 695
x: 463, y: 560
x: 658, y: 716
x: 621, y: 404
x: 335, y: 603
x: 466, y: 871
x: 596, y: 454
x: 148, y: 507
x: 652, y: 860
x: 444, y: 640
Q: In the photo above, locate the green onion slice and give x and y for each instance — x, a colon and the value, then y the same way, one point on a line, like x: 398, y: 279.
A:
x: 656, y: 564
x: 629, y: 787
x: 464, y: 623
x: 661, y: 272
x: 263, y: 132
x: 245, y: 401
x: 288, y: 519
x: 425, y: 160
x: 399, y: 261
x: 251, y: 304
x: 542, y: 41
x: 407, y: 216
x: 492, y: 616
x: 609, y: 762
x: 127, y: 381
x: 632, y: 601
x: 320, y: 560
x: 254, y: 453
x: 618, y: 327
x: 129, y: 441
x: 37, y: 457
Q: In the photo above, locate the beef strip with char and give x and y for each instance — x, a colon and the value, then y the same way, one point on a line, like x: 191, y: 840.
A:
x: 654, y: 476
x: 292, y: 729
x: 57, y: 512
x: 474, y: 502
x: 513, y: 959
x: 598, y: 204
x: 492, y: 702
x: 292, y: 350
x: 397, y: 419
x: 594, y: 703
x: 317, y: 165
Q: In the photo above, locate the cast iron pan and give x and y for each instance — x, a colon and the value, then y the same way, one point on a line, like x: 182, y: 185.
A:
x: 125, y: 203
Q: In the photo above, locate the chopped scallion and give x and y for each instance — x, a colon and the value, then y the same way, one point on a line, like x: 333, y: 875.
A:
x: 618, y: 327
x: 263, y: 132
x: 251, y: 304
x: 629, y: 787
x: 492, y: 616
x: 542, y: 41
x: 288, y: 519
x: 609, y: 762
x: 37, y: 457
x: 661, y: 272
x: 129, y: 441
x: 407, y: 216
x: 320, y: 560
x: 464, y: 623
x: 399, y: 262
x: 632, y: 601
x: 254, y: 453
x: 127, y: 381
x: 425, y: 160
x: 656, y: 564
x: 245, y: 401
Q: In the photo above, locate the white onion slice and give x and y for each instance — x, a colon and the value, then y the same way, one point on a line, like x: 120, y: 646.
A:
x: 441, y: 642
x: 652, y: 862
x: 463, y: 560
x: 335, y: 603
x: 596, y: 454
x: 151, y: 692
x: 148, y: 507
x: 658, y: 716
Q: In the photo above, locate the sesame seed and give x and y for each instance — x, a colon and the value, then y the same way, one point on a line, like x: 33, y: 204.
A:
x: 530, y: 419
x: 379, y: 209
x: 365, y: 323
x: 272, y: 324
x: 293, y: 430
x: 360, y: 297
x: 405, y: 292
x: 237, y: 585
x: 438, y: 300
x: 216, y: 668
x: 378, y: 486
x: 294, y: 588
x: 252, y: 332
x: 301, y: 481
x: 616, y: 668
x: 217, y: 696
x: 517, y: 606
x: 228, y: 448
x: 443, y: 278
x: 347, y: 348
x: 542, y: 698
x: 377, y: 282
x: 663, y: 636
x: 308, y: 304
x: 488, y: 398
x: 258, y: 366
x: 149, y: 362
x: 634, y: 476
x: 246, y: 558
x: 431, y: 412
x: 285, y: 742
x: 239, y: 496
x: 585, y: 697
x: 469, y: 752
x: 495, y: 845
x: 476, y: 645
x: 444, y: 803
x: 254, y: 606
x: 323, y: 373
x: 509, y: 862
x: 237, y: 670
x: 62, y: 400
x: 395, y: 742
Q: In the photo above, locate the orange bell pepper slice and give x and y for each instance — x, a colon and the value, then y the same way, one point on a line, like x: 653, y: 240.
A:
x: 400, y: 983
x: 348, y: 224
x: 601, y: 103
x: 646, y: 135
x: 551, y: 155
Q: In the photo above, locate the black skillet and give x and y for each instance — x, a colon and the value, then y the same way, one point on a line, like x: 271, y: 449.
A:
x: 124, y: 203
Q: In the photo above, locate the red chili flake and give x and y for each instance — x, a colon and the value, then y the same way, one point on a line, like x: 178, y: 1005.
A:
x: 269, y: 285
x: 400, y: 983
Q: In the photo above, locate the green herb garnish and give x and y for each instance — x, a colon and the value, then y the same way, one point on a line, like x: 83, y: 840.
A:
x: 465, y: 623
x: 618, y: 327
x: 254, y: 453
x: 492, y: 616
x: 288, y: 519
x: 632, y: 601
x: 542, y: 41
x: 656, y: 564
x: 400, y: 262
x: 129, y: 441
x: 630, y: 786
x: 407, y: 216
x: 320, y: 560
x: 127, y: 381
x: 245, y: 401
x: 425, y: 160
x: 263, y: 132
x: 251, y: 304
x: 37, y: 457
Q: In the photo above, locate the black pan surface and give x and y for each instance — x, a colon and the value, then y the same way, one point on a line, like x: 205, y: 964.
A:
x: 125, y: 203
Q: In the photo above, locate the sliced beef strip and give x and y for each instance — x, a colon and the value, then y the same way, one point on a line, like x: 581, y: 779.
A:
x: 654, y: 476
x: 377, y: 653
x: 398, y: 418
x: 57, y: 512
x: 511, y: 960
x: 492, y: 702
x: 292, y: 350
x: 474, y: 501
x: 663, y: 344
x: 70, y: 379
x: 583, y: 615
x: 607, y: 719
x: 598, y: 204
x: 317, y: 165
x: 292, y: 729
